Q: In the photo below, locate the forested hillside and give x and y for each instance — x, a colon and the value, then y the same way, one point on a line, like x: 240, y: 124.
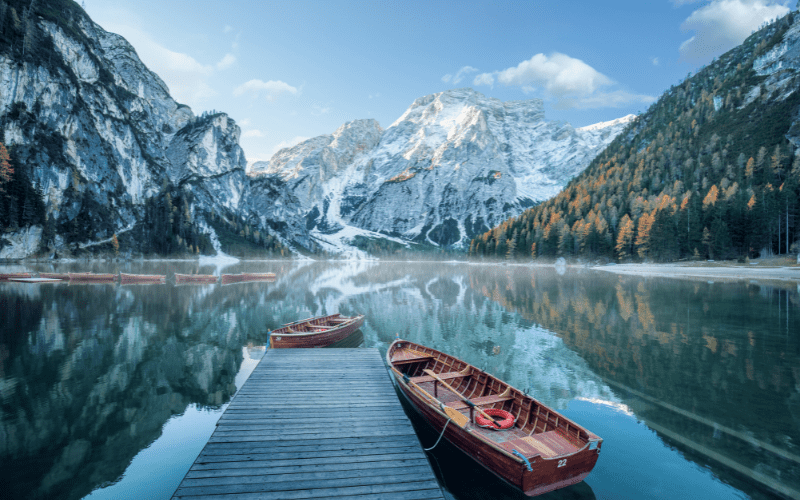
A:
x: 709, y: 171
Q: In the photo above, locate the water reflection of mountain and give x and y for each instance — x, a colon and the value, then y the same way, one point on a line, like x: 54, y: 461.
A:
x: 90, y: 374
x: 435, y: 304
x: 713, y: 367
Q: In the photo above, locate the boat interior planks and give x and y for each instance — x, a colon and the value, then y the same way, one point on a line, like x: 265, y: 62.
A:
x: 530, y: 445
x: 320, y: 331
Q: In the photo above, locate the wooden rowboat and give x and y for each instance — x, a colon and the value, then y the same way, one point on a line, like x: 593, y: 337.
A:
x: 538, y: 450
x: 227, y: 279
x: 92, y: 277
x: 141, y: 278
x: 10, y: 276
x: 195, y: 278
x: 315, y: 332
x: 54, y: 276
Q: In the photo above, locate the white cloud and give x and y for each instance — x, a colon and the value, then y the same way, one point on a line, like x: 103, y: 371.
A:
x: 186, y: 78
x: 559, y: 74
x: 227, y: 29
x: 484, y: 79
x: 253, y: 133
x: 321, y: 110
x: 572, y: 82
x: 724, y: 24
x: 290, y: 143
x: 464, y: 71
x: 459, y: 76
x: 226, y: 62
x: 246, y: 122
x: 272, y: 89
x: 656, y: 62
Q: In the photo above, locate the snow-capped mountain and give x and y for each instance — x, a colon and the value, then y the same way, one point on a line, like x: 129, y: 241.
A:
x: 453, y: 165
x: 115, y: 159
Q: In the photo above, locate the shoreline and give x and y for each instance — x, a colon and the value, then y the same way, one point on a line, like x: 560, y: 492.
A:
x: 771, y: 271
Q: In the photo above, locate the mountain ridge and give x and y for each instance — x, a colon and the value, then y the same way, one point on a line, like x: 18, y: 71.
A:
x: 486, y: 158
x: 128, y: 170
x: 711, y: 170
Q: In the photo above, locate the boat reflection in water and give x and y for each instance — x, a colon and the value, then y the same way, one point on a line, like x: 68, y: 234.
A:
x: 694, y: 386
x: 354, y: 340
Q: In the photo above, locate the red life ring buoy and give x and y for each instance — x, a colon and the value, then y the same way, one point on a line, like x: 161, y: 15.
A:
x: 507, y: 422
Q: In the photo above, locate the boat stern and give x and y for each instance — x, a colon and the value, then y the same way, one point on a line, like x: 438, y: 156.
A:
x: 549, y: 474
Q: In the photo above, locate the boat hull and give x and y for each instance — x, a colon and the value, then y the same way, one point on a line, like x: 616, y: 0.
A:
x: 280, y: 338
x: 91, y: 278
x: 10, y: 276
x: 55, y: 276
x: 548, y: 472
x: 195, y: 279
x: 135, y: 279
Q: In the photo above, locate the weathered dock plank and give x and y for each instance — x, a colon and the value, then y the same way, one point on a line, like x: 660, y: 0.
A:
x: 313, y: 423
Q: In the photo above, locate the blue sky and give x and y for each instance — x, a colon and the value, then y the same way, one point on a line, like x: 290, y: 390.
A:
x: 287, y: 71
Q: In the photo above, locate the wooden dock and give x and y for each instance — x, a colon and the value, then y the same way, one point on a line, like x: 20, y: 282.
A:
x: 313, y: 423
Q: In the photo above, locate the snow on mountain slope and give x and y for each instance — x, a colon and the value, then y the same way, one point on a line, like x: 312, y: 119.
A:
x: 453, y: 165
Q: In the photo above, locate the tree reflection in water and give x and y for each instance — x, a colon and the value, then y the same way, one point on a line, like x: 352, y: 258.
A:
x: 89, y: 375
x: 713, y: 368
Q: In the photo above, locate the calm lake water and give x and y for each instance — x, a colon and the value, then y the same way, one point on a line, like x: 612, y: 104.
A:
x: 111, y: 391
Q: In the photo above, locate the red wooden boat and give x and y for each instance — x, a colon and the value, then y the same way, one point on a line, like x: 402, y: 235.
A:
x: 54, y: 276
x: 195, y: 278
x: 315, y: 332
x: 92, y: 277
x: 10, y: 276
x: 227, y: 279
x: 535, y: 448
x: 129, y: 279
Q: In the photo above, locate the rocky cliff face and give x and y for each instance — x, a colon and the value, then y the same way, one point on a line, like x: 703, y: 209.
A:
x: 453, y: 165
x: 100, y: 135
x: 109, y: 150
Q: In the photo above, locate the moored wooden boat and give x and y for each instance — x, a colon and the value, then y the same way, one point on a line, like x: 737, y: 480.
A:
x: 538, y: 450
x: 92, y: 277
x: 34, y: 280
x: 54, y: 276
x: 320, y: 331
x: 128, y: 279
x: 227, y: 279
x: 9, y: 276
x: 195, y: 278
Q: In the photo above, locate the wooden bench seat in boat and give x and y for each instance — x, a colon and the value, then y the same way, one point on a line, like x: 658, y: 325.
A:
x: 547, y: 444
x: 406, y: 356
x: 480, y: 401
x: 443, y: 376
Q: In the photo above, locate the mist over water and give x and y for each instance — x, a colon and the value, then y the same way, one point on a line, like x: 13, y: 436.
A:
x: 112, y: 390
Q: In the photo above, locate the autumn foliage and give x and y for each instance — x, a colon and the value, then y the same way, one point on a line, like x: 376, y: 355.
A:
x: 706, y: 172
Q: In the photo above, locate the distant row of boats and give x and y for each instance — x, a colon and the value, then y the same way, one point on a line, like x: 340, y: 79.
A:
x: 124, y: 278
